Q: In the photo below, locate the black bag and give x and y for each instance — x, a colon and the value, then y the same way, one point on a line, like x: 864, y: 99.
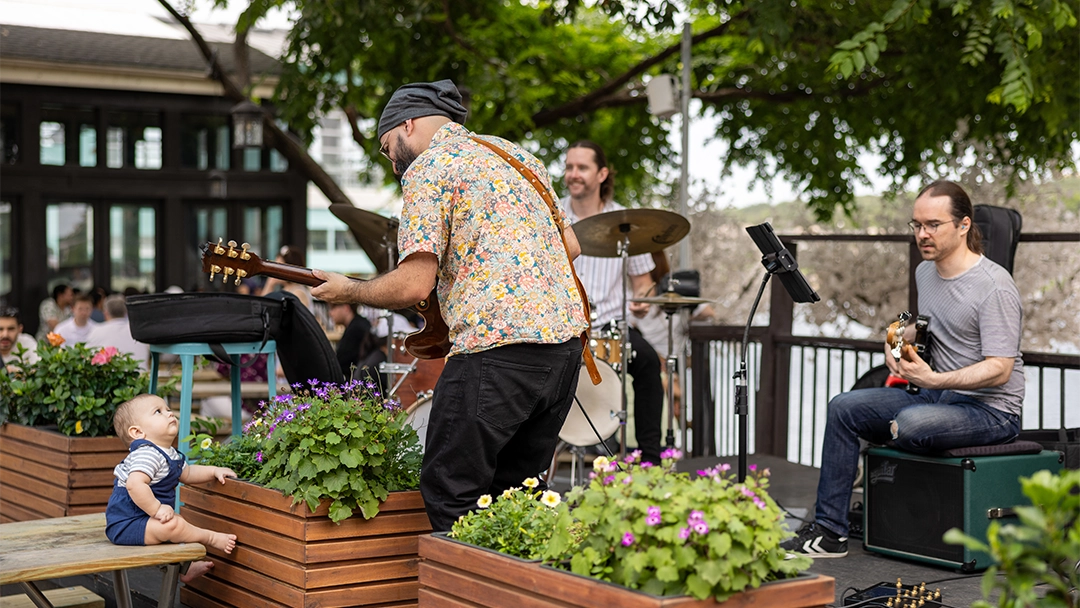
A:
x: 215, y: 318
x: 1000, y: 228
x: 687, y: 283
x: 302, y: 347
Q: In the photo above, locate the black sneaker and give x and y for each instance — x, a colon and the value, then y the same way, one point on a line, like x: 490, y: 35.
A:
x: 816, y: 541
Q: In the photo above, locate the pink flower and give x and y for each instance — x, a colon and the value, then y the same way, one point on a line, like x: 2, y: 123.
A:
x: 627, y: 539
x: 701, y: 527
x: 752, y: 467
x: 684, y: 533
x: 104, y: 355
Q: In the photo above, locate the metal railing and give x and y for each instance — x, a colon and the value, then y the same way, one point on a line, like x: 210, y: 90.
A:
x: 792, y: 378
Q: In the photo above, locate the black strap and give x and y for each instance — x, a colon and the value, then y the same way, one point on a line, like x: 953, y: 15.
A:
x: 223, y: 357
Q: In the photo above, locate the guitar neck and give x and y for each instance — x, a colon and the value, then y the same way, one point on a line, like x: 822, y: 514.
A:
x: 287, y: 272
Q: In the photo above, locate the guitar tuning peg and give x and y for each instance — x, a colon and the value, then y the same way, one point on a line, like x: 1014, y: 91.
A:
x: 218, y: 249
x: 244, y: 255
x: 232, y: 249
x: 241, y: 274
x: 237, y: 281
x: 225, y: 275
x: 214, y: 269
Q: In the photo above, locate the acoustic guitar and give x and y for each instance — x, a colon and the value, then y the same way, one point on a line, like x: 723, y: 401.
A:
x: 232, y: 261
x: 902, y: 349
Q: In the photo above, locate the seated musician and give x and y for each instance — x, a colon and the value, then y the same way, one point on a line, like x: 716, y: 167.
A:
x: 975, y: 395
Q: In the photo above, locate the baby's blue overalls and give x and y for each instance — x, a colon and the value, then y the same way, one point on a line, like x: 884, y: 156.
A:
x: 125, y: 522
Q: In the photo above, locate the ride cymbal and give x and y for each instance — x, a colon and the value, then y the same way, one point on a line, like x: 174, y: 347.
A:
x: 672, y: 299
x: 648, y: 230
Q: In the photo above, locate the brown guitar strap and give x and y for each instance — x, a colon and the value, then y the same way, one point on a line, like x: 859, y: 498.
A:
x: 528, y: 174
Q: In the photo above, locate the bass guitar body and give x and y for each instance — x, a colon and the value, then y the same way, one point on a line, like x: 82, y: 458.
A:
x: 231, y: 261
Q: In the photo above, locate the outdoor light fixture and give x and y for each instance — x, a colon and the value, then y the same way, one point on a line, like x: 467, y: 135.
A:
x: 663, y: 94
x: 247, y: 125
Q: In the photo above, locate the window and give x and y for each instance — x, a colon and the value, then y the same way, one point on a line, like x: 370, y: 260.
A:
x: 51, y: 143
x: 345, y: 241
x: 204, y: 142
x: 317, y: 240
x: 69, y: 243
x: 132, y: 247
x: 133, y: 139
x: 9, y: 132
x: 87, y: 146
x: 5, y: 249
x: 252, y: 159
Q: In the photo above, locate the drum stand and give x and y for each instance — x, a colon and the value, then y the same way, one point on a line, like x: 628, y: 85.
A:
x: 388, y: 367
x: 671, y: 365
x: 624, y: 335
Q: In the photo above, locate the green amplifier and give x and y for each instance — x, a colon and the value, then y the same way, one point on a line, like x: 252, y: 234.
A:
x: 911, y: 500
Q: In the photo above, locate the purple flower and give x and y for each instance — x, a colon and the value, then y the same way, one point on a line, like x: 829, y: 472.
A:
x: 313, y: 382
x: 258, y: 457
x: 592, y: 475
x: 289, y: 415
x: 283, y: 398
x: 701, y: 527
x: 760, y: 503
x: 684, y: 533
x: 695, y: 516
x: 646, y: 464
x: 671, y: 453
x: 609, y: 479
x: 704, y: 472
x: 752, y: 467
x: 652, y: 520
x: 747, y: 492
x: 724, y: 467
x: 627, y: 480
x: 627, y: 539
x: 654, y: 511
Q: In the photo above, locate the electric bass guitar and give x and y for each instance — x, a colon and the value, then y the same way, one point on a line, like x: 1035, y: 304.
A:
x: 902, y: 349
x: 232, y: 261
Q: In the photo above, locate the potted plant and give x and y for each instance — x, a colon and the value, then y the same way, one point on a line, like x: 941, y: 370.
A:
x: 635, y: 535
x: 57, y: 446
x: 325, y: 514
x: 1038, y: 555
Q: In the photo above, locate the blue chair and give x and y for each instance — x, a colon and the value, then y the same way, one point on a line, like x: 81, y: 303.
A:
x: 187, y: 351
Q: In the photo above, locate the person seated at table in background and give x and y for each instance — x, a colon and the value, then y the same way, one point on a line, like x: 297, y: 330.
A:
x: 77, y: 328
x: 140, y: 510
x: 357, y: 329
x: 116, y: 332
x: 293, y: 256
x: 54, y: 309
x: 11, y: 333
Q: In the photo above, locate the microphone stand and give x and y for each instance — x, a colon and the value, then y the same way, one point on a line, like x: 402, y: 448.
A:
x: 742, y: 408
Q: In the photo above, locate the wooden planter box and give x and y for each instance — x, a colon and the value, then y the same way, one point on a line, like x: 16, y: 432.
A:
x: 456, y: 575
x: 288, y: 556
x: 44, y: 473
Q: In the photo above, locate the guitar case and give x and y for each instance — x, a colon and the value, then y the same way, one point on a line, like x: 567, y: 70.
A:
x: 1000, y: 228
x: 303, y: 349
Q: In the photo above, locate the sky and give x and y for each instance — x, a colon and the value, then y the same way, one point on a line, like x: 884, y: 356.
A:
x: 143, y: 17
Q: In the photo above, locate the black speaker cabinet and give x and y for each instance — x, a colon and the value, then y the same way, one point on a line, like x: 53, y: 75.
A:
x: 911, y: 500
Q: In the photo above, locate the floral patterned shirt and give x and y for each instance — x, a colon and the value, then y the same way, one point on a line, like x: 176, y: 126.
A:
x: 504, y: 276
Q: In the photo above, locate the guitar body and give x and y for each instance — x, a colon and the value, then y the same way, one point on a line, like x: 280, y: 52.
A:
x: 902, y: 349
x: 431, y: 342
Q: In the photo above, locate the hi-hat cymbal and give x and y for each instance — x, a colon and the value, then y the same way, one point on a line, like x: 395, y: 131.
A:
x: 376, y: 234
x: 672, y: 299
x: 648, y: 230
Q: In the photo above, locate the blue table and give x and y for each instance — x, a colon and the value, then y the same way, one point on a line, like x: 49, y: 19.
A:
x: 187, y: 351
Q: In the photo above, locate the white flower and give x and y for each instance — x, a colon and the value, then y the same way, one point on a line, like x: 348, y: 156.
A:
x: 206, y: 443
x: 531, y: 483
x: 508, y: 493
x: 551, y: 499
x: 600, y: 463
x: 484, y: 502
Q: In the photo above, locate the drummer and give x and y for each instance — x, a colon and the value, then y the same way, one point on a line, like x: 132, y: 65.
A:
x: 591, y: 185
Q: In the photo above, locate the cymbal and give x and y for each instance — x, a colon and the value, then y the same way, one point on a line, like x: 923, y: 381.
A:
x: 649, y: 230
x: 375, y: 233
x: 672, y: 299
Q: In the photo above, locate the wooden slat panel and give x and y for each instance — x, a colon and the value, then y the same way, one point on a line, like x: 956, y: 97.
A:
x: 430, y: 598
x: 69, y: 546
x: 48, y: 491
x: 93, y: 478
x: 194, y: 594
x: 484, y: 591
x: 86, y: 509
x: 53, y: 475
x: 243, y: 578
x: 96, y: 460
x: 32, y: 503
x: 55, y: 440
x: 362, y: 571
x: 89, y: 496
x: 274, y: 499
x: 17, y: 512
x: 385, y: 523
x: 800, y: 593
x: 364, y: 595
x: 266, y: 519
x: 251, y: 536
x: 66, y: 597
x: 47, y: 457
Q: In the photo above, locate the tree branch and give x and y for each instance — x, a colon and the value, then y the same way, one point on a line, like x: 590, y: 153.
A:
x: 281, y: 141
x: 354, y: 116
x: 607, y: 90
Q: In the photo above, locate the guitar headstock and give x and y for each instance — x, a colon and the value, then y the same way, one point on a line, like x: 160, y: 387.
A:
x: 228, y: 261
x: 895, y: 335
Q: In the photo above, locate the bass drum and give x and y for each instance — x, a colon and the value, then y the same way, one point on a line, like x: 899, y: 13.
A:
x: 419, y: 413
x: 601, y: 402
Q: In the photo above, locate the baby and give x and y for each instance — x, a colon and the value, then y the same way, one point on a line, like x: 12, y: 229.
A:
x: 140, y: 510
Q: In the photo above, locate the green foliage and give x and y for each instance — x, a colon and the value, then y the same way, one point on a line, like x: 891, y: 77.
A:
x: 75, y: 388
x: 1038, y: 553
x: 520, y: 522
x: 668, y: 533
x: 343, y: 443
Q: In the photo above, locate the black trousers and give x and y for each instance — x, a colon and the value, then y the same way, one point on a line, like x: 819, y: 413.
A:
x: 495, y: 421
x: 644, y: 368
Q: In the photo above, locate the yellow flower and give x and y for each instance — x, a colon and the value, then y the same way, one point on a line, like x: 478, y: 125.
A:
x: 484, y: 502
x: 551, y: 499
x: 600, y: 463
x: 508, y: 493
x: 78, y: 427
x: 531, y: 483
x: 206, y: 443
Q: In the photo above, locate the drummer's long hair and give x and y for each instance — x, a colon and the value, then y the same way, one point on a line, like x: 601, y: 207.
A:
x: 607, y: 188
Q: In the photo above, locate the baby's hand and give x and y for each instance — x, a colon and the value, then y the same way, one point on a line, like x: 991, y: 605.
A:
x: 222, y: 472
x: 164, y: 513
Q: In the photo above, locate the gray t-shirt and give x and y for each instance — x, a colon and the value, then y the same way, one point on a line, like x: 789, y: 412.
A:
x: 973, y: 316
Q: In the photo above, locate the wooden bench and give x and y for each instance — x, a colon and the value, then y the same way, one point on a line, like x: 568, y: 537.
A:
x: 70, y: 546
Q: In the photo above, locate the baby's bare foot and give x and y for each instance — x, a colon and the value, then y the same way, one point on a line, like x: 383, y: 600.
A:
x: 222, y: 542
x: 195, y: 570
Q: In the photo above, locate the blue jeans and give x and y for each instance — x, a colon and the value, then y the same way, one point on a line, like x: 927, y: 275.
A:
x: 928, y: 422
x: 495, y: 421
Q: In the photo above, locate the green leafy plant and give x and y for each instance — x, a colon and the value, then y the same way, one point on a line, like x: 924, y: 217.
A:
x: 1040, y: 552
x: 667, y: 533
x: 520, y: 522
x: 344, y: 443
x: 76, y: 388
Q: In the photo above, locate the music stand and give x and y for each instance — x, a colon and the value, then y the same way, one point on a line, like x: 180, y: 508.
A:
x: 779, y: 261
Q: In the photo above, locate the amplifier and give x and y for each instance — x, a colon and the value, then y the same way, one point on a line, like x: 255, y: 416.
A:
x: 911, y: 500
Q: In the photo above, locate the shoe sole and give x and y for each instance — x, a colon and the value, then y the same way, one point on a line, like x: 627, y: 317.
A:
x: 793, y: 555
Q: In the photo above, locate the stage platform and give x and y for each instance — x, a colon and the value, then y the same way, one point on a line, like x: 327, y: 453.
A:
x: 793, y: 485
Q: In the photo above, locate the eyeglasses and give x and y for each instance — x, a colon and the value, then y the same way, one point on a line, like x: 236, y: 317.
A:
x: 929, y: 227
x: 385, y: 148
